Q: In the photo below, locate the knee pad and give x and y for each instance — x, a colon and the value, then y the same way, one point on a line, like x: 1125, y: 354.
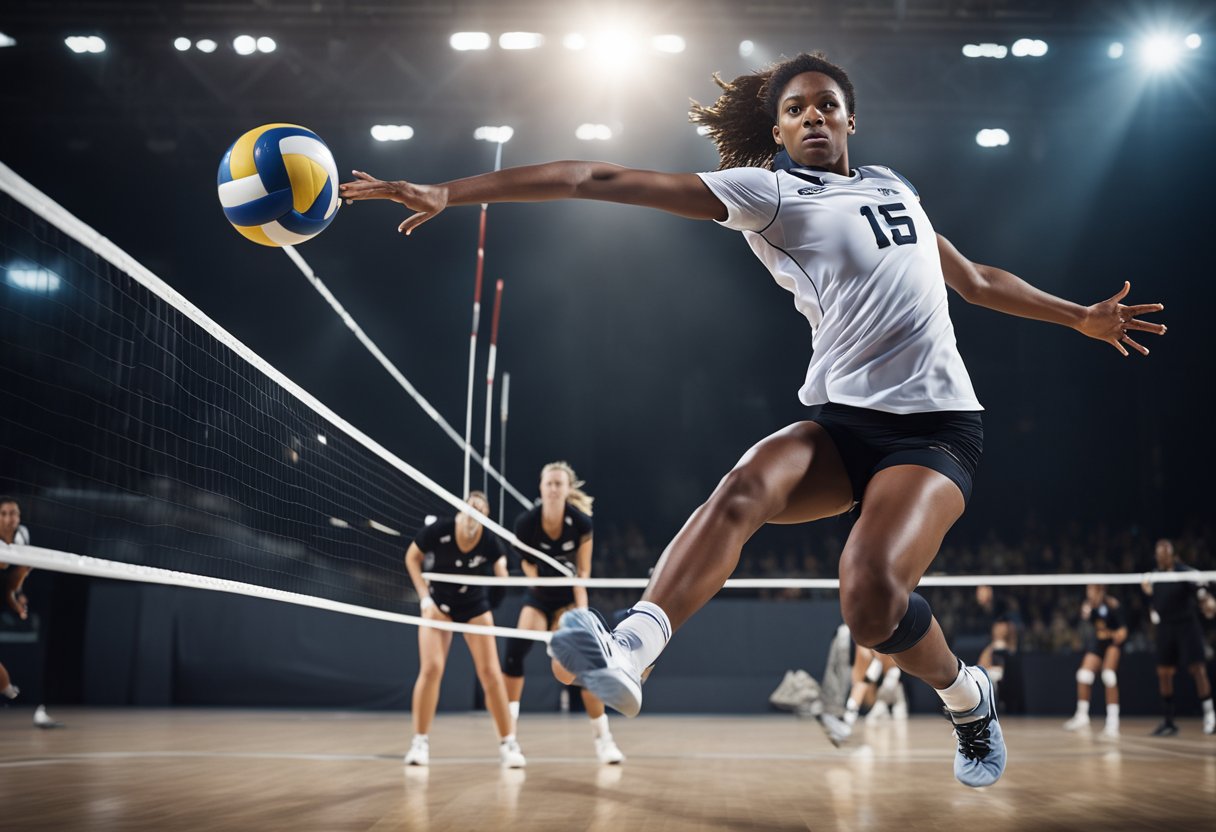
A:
x: 1085, y: 677
x: 1110, y: 678
x: 874, y: 671
x: 517, y: 651
x: 911, y: 628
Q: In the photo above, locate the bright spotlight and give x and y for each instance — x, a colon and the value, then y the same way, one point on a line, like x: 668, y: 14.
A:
x: 1114, y: 51
x: 985, y: 50
x: 672, y: 44
x: 266, y: 44
x: 501, y: 135
x: 1193, y: 41
x: 520, y: 40
x: 6, y: 40
x: 593, y: 132
x: 1028, y: 48
x: 85, y: 43
x: 321, y: 438
x: 182, y: 44
x: 992, y: 137
x: 206, y: 45
x: 702, y: 129
x: 614, y: 48
x: 33, y: 279
x: 746, y: 48
x: 574, y: 42
x: 1161, y: 52
x: 392, y: 132
x: 245, y: 44
x: 469, y: 41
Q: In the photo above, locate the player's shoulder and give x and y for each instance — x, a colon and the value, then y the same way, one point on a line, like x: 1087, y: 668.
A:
x: 578, y: 518
x: 437, y: 529
x: 527, y: 518
x: 1112, y: 603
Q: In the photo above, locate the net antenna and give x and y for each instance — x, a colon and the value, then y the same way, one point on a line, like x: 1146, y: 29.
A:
x: 502, y: 441
x: 485, y: 456
x: 399, y: 377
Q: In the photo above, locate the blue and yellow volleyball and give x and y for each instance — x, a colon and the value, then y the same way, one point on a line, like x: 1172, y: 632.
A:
x: 278, y: 185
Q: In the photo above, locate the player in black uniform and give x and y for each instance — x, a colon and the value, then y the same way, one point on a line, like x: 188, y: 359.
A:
x: 561, y: 528
x: 1179, y: 635
x: 458, y: 545
x: 1103, y: 647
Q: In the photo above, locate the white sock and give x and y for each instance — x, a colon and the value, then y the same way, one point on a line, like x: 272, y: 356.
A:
x: 644, y: 633
x: 599, y: 726
x: 851, y: 709
x: 514, y: 708
x: 10, y: 691
x: 1112, y: 713
x: 963, y: 694
x: 1207, y: 706
x: 1083, y: 707
x: 423, y: 737
x: 508, y: 738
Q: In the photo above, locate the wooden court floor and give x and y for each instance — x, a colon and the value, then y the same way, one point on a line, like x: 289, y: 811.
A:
x: 179, y: 769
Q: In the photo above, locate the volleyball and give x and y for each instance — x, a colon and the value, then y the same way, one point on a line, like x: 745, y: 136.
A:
x: 278, y: 185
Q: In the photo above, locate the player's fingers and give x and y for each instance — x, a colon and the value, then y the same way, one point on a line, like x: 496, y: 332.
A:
x: 1146, y: 326
x: 1143, y: 308
x: 1118, y: 346
x: 1122, y: 293
x: 366, y: 177
x: 1137, y: 347
x: 413, y: 222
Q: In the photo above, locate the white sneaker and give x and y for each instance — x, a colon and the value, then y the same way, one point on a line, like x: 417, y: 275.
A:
x: 419, y: 753
x: 899, y: 710
x: 607, y: 752
x: 43, y: 720
x: 881, y: 710
x: 602, y: 665
x: 1209, y: 723
x: 511, y: 755
x: 1078, y: 722
x: 837, y: 729
x: 797, y: 688
x: 1110, y: 731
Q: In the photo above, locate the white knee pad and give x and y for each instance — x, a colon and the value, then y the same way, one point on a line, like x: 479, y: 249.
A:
x: 1110, y: 678
x: 874, y: 671
x: 1085, y: 677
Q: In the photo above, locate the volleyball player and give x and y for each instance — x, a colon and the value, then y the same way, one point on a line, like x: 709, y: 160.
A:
x: 894, y: 423
x: 1103, y: 647
x: 458, y: 545
x: 13, y: 533
x: 994, y: 658
x: 1175, y: 608
x: 561, y: 528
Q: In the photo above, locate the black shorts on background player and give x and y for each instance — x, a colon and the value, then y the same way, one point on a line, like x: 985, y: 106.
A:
x: 1179, y: 633
x: 460, y: 602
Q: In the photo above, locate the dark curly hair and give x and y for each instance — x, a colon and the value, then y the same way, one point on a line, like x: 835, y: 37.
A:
x: 740, y: 122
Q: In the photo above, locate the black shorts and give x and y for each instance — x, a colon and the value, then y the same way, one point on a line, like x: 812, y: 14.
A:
x: 1098, y: 646
x: 949, y: 442
x: 463, y: 609
x: 550, y: 605
x: 1179, y: 640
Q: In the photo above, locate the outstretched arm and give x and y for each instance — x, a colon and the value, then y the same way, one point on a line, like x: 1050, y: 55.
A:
x: 1107, y: 320
x: 677, y: 193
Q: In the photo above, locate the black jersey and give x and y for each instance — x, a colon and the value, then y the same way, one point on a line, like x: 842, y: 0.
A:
x: 438, y: 543
x: 530, y: 530
x: 1176, y: 601
x: 1106, y: 619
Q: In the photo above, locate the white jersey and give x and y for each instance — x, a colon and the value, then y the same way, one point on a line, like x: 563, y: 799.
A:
x: 860, y: 257
x: 21, y: 537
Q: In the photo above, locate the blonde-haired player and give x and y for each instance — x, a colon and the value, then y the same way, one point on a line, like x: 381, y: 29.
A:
x: 561, y: 528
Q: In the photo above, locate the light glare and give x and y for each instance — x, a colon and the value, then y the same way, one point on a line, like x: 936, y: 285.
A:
x: 266, y: 44
x: 182, y: 44
x: 574, y: 42
x: 245, y: 44
x: 992, y: 137
x: 85, y: 43
x: 470, y: 41
x: 593, y: 132
x: 746, y: 48
x: 520, y: 40
x: 1115, y: 51
x: 36, y: 280
x: 501, y: 135
x: 206, y: 45
x: 1028, y: 48
x: 392, y: 132
x: 985, y: 50
x: 7, y: 40
x: 1193, y: 41
x: 1161, y: 52
x: 671, y: 44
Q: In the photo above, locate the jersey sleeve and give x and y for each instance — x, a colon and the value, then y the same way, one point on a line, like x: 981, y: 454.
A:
x: 22, y: 537
x: 583, y: 525
x: 751, y: 196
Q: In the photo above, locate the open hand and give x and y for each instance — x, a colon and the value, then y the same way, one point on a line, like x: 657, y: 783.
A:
x: 17, y: 602
x: 1111, y: 321
x: 424, y: 200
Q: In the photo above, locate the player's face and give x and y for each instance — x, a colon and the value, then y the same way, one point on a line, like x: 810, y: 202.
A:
x: 1165, y: 554
x: 10, y: 517
x: 554, y: 486
x: 468, y: 523
x: 1094, y: 593
x: 813, y: 124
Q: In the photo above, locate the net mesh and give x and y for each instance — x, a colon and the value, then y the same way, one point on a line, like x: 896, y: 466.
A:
x: 131, y: 432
